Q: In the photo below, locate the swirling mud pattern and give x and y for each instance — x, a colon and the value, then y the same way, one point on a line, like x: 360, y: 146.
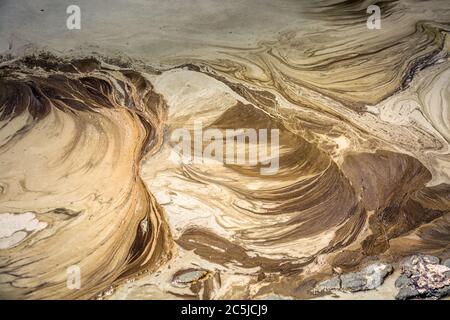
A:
x: 92, y: 178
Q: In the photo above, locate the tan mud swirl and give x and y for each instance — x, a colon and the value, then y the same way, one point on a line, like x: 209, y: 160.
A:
x: 75, y: 157
x: 305, y: 199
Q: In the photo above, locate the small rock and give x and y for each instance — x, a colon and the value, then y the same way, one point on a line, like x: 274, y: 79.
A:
x: 423, y: 276
x: 354, y: 281
x: 186, y: 277
x: 406, y: 292
x: 442, y: 292
x: 447, y: 263
x: 411, y: 261
x: 402, y: 281
x: 375, y: 274
x: 328, y: 285
x: 368, y: 278
x: 431, y: 259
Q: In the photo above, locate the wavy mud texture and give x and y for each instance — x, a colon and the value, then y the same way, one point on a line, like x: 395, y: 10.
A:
x: 71, y: 146
x: 90, y: 177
